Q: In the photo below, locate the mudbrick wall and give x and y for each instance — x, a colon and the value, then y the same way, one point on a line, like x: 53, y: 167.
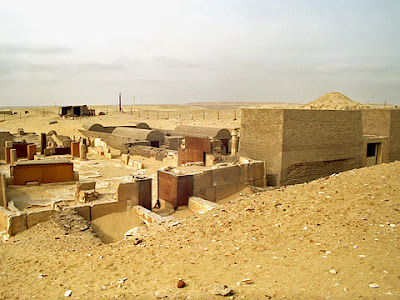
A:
x: 317, y: 143
x: 384, y: 122
x: 394, y: 136
x: 302, y: 145
x: 261, y: 139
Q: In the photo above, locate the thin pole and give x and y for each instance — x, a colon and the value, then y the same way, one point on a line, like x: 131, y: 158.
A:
x: 119, y: 98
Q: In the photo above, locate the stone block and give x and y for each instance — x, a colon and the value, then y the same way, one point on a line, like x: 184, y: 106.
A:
x: 148, y: 216
x: 202, y: 180
x: 17, y: 223
x: 207, y: 193
x: 128, y: 192
x: 31, y: 151
x: 98, y: 210
x: 109, y: 155
x: 256, y: 170
x: 75, y: 149
x: 261, y: 182
x: 199, y: 205
x: 38, y: 216
x: 86, y: 185
x: 226, y: 175
x: 3, y: 191
x: 83, y: 211
x: 4, y: 217
x: 125, y: 158
x: 47, y: 152
x: 76, y: 175
x: 223, y: 191
x: 244, y: 173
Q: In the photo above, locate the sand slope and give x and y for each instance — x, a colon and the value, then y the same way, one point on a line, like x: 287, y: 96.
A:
x: 286, y: 241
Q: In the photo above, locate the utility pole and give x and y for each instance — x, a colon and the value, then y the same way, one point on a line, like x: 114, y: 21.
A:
x: 134, y: 98
x: 119, y: 98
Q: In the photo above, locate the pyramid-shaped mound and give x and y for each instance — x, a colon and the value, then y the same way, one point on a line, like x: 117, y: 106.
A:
x: 335, y: 100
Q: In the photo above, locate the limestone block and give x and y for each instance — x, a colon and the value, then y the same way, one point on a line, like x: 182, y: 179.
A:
x: 4, y: 217
x: 13, y: 156
x: 202, y: 180
x: 86, y: 185
x: 138, y: 165
x: 226, y: 175
x: 83, y: 211
x: 199, y: 205
x: 125, y: 158
x: 98, y: 210
x: 244, y: 173
x: 261, y: 182
x: 256, y: 170
x: 207, y: 193
x: 3, y: 190
x: 148, y: 216
x: 223, y: 191
x: 17, y: 223
x: 76, y: 175
x: 109, y: 155
x: 38, y: 216
x: 129, y: 193
x: 82, y: 151
x: 47, y: 152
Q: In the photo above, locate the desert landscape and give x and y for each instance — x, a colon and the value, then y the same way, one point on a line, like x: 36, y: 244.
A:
x: 335, y: 237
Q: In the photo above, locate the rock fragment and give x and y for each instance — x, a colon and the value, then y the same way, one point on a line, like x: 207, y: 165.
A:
x: 180, y: 283
x: 223, y: 290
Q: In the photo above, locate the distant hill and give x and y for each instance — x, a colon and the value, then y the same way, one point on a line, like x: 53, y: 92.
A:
x: 335, y: 100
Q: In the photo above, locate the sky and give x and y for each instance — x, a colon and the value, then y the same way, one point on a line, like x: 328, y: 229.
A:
x: 175, y: 52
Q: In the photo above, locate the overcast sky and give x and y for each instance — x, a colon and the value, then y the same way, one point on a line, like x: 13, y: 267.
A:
x: 86, y: 52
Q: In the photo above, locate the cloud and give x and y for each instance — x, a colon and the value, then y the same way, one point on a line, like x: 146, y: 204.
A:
x: 25, y: 48
x: 338, y: 67
x: 175, y: 63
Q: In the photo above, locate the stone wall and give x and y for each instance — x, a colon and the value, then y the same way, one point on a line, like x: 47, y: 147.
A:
x: 4, y: 136
x: 211, y: 185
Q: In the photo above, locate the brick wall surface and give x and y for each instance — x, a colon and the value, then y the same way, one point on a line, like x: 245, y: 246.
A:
x: 376, y: 122
x: 394, y: 136
x: 317, y: 143
x: 302, y: 145
x: 261, y: 134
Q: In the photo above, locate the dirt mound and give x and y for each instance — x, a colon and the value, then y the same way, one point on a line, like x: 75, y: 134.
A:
x: 335, y: 100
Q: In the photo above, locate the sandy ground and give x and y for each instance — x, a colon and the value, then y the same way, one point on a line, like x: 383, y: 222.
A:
x: 333, y: 238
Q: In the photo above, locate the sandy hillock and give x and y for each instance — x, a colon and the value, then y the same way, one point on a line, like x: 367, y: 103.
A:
x: 335, y: 100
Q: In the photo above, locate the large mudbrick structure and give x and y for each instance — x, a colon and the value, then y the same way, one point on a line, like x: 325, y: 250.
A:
x: 302, y: 145
x: 383, y: 124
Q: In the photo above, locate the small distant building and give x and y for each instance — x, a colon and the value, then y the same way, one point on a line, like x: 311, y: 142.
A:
x: 76, y: 111
x: 214, y: 133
